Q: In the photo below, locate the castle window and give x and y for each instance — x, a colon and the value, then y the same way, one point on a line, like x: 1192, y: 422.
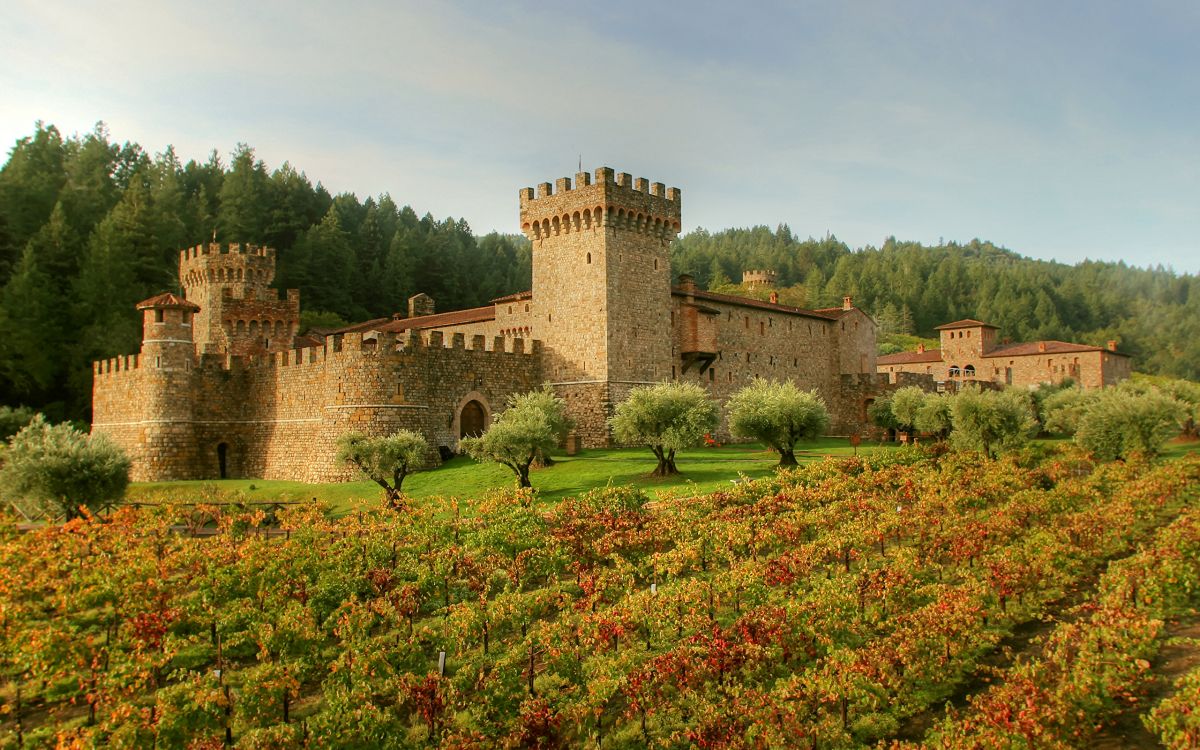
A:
x: 969, y: 371
x: 747, y: 322
x: 672, y: 372
x: 526, y: 307
x: 954, y: 371
x: 158, y: 316
x: 589, y: 258
x: 187, y: 318
x: 712, y: 375
x: 656, y: 264
x: 510, y: 309
x: 158, y: 362
x: 762, y: 328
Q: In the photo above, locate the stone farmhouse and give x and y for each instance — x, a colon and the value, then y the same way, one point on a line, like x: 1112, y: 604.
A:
x: 969, y: 352
x: 224, y: 386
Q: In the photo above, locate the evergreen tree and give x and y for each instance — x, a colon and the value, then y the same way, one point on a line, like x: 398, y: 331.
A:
x: 31, y: 334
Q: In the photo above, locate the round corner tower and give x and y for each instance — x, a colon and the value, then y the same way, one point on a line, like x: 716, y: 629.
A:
x: 601, y: 288
x: 239, y: 311
x: 167, y: 362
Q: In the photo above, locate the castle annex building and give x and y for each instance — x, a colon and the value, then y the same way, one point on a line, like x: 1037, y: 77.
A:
x: 969, y: 351
x: 225, y: 387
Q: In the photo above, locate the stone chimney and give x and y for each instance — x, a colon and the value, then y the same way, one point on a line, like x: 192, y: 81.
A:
x: 687, y: 284
x: 920, y: 348
x: 420, y: 304
x: 847, y: 303
x: 1112, y: 346
x: 1042, y: 346
x: 774, y: 298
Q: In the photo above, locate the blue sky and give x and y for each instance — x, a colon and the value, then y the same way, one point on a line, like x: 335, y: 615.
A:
x: 1064, y: 130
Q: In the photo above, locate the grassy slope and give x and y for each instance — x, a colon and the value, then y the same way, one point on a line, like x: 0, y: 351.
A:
x: 703, y: 470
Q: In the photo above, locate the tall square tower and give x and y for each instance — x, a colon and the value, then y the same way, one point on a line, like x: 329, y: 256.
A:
x: 601, y: 288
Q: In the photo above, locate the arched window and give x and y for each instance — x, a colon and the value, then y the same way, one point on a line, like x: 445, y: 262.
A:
x: 969, y: 371
x: 954, y: 371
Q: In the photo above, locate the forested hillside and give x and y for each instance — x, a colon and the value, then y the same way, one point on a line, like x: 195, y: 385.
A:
x: 89, y: 226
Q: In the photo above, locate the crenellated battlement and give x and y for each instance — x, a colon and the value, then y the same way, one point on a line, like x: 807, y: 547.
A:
x: 343, y: 349
x: 115, y: 365
x: 220, y: 263
x: 222, y: 248
x: 613, y: 200
x: 758, y: 278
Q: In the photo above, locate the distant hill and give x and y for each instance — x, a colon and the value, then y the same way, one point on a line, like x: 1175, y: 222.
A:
x: 88, y: 227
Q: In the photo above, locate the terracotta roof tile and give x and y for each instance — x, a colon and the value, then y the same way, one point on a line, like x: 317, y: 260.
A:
x: 367, y: 325
x: 514, y: 297
x: 748, y: 302
x: 909, y: 358
x: 964, y: 323
x: 166, y: 299
x: 1028, y: 348
x: 440, y: 320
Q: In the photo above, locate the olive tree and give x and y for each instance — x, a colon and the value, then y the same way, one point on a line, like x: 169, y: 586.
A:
x: 879, y: 413
x: 906, y: 402
x: 386, y: 460
x: 555, y: 410
x: 57, y: 469
x: 1063, y: 410
x: 991, y: 421
x: 1119, y: 423
x: 530, y: 427
x: 665, y: 417
x: 778, y: 414
x: 935, y: 415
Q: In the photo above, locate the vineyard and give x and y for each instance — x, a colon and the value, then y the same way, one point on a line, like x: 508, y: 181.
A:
x: 842, y: 604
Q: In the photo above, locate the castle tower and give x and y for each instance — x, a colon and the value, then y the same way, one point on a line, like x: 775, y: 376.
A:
x: 758, y: 279
x: 966, y: 340
x: 601, y: 288
x: 167, y: 361
x: 239, y: 311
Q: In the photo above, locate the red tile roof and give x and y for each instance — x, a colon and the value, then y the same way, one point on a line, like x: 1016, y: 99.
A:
x: 1029, y: 348
x: 366, y: 325
x: 166, y: 299
x: 440, y: 320
x: 910, y: 358
x: 833, y: 312
x: 757, y: 303
x: 965, y: 323
x: 514, y: 297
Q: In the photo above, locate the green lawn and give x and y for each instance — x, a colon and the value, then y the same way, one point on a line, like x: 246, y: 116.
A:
x: 703, y: 470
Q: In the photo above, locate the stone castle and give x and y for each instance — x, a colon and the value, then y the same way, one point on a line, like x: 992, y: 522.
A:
x: 970, y: 352
x: 225, y: 387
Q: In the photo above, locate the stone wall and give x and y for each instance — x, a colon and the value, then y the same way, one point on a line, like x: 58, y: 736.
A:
x: 278, y: 416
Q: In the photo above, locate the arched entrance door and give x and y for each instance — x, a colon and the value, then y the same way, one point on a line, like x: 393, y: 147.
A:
x: 472, y: 420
